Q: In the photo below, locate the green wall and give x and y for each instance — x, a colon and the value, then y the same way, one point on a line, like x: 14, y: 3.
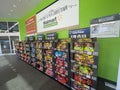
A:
x: 108, y: 48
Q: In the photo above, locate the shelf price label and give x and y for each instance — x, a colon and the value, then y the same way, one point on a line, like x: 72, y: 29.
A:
x: 94, y: 66
x: 95, y: 53
x: 88, y: 76
x: 93, y: 88
x: 94, y: 78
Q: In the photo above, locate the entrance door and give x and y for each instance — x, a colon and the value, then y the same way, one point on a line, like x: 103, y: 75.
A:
x: 5, y: 46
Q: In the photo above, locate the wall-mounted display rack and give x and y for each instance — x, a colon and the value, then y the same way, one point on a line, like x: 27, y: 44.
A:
x: 72, y: 62
x: 40, y: 52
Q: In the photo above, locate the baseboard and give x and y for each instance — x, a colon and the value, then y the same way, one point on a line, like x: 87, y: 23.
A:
x: 108, y: 83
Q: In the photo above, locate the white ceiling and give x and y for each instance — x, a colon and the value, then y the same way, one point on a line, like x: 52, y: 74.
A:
x: 15, y: 9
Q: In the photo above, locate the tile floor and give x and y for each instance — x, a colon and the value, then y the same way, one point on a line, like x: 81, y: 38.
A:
x: 17, y: 75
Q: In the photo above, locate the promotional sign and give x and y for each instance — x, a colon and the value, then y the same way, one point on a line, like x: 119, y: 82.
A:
x: 40, y: 37
x: 61, y: 14
x: 31, y: 25
x: 51, y: 36
x: 32, y: 38
x: 26, y: 39
x: 80, y: 33
x: 105, y: 27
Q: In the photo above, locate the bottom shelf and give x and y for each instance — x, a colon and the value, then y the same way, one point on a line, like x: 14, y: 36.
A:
x: 68, y: 86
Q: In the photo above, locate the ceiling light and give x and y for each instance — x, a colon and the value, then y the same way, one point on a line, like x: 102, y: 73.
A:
x: 14, y: 6
x: 11, y: 10
x: 9, y: 14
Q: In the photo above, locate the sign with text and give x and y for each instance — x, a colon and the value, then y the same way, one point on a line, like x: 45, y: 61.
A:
x: 31, y: 38
x: 40, y: 37
x: 31, y: 25
x: 61, y: 14
x: 51, y: 36
x: 105, y: 27
x: 80, y: 33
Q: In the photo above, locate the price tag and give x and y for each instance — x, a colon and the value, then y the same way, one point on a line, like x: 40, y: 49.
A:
x: 95, y: 53
x: 72, y: 51
x: 55, y: 48
x: 89, y: 53
x: 73, y: 88
x: 94, y: 78
x: 92, y: 88
x: 94, y: 66
x: 72, y: 60
x: 72, y: 70
x: 72, y: 79
x: 88, y: 76
x: 88, y: 87
x: 77, y: 51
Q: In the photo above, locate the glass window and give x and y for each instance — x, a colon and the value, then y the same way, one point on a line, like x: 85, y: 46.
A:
x: 9, y: 27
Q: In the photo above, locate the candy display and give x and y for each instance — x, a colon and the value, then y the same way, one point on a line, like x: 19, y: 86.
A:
x: 25, y: 56
x: 39, y: 56
x: 49, y: 62
x: 17, y: 47
x: 78, y: 46
x: 33, y: 60
x: 81, y: 80
x: 39, y: 52
x: 88, y: 47
x: 82, y: 60
x: 38, y: 44
x: 39, y: 65
x: 61, y: 46
x: 48, y: 58
x: 86, y: 40
x: 48, y: 45
x: 62, y: 79
x: 21, y: 53
x: 62, y: 62
x: 27, y: 50
x: 75, y: 67
x: 85, y: 70
x: 71, y: 62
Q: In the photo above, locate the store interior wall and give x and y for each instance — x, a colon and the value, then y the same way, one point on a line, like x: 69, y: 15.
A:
x: 9, y: 20
x: 109, y: 48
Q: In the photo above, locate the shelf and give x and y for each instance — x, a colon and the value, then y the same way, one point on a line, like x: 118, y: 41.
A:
x: 84, y: 52
x: 66, y: 50
x: 63, y: 67
x: 63, y: 75
x: 94, y: 78
x: 62, y: 83
x: 93, y: 66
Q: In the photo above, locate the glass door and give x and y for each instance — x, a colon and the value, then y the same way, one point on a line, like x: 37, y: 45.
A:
x: 4, y: 44
x: 7, y: 45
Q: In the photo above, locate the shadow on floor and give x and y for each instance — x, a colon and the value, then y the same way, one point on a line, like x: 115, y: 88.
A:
x: 6, y: 74
x: 34, y: 78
